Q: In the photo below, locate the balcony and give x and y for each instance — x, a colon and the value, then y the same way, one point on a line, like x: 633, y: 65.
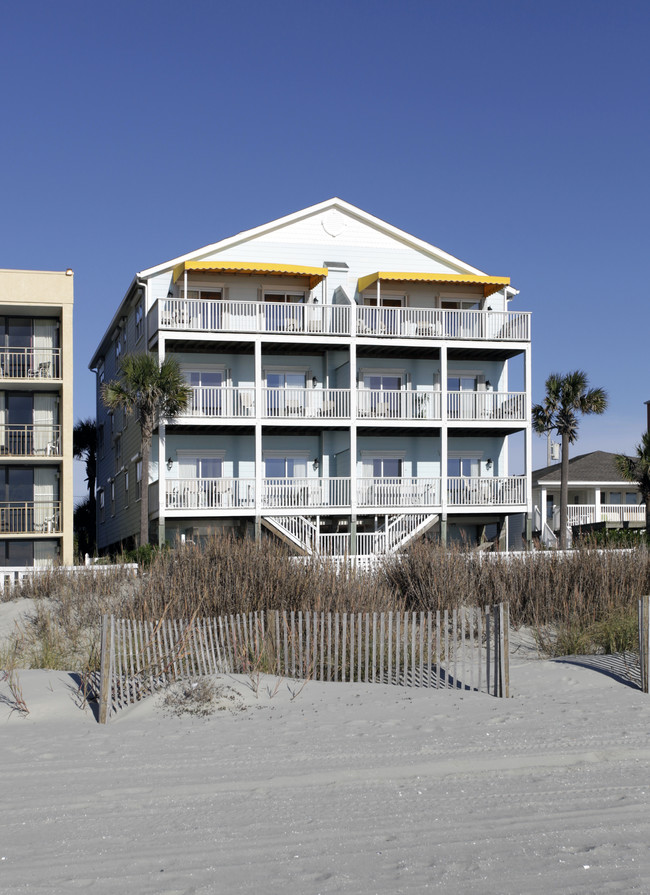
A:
x: 613, y: 514
x: 398, y: 405
x: 210, y: 316
x: 486, y: 491
x: 221, y: 401
x: 486, y: 405
x: 399, y: 492
x: 334, y: 492
x: 306, y: 403
x: 37, y: 440
x: 30, y: 363
x: 27, y: 517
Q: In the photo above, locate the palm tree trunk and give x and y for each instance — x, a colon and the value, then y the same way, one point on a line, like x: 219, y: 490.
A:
x: 144, y: 501
x: 564, y: 492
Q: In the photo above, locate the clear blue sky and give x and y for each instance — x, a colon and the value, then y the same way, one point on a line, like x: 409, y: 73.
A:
x: 514, y: 135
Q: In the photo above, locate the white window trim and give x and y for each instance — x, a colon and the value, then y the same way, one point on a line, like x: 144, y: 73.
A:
x: 384, y: 371
x: 367, y: 458
x: 286, y: 369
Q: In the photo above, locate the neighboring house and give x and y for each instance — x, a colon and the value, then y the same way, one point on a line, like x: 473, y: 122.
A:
x: 598, y: 493
x: 36, y: 417
x: 349, y: 391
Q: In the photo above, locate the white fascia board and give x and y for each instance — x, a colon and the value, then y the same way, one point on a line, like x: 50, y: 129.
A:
x: 114, y: 322
x: 246, y: 235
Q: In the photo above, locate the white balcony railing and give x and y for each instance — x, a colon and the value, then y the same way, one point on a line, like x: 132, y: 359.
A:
x: 338, y: 320
x: 310, y: 403
x: 297, y: 493
x: 30, y: 363
x: 209, y: 494
x: 23, y: 517
x: 221, y: 401
x: 483, y: 491
x: 436, y: 323
x: 304, y: 493
x: 252, y: 316
x: 398, y: 492
x: 39, y: 439
x: 398, y: 405
x: 486, y: 406
x: 585, y: 514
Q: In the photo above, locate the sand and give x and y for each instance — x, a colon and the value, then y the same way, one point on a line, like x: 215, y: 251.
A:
x: 339, y: 788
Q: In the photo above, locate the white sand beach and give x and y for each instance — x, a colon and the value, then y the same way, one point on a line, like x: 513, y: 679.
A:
x: 344, y: 788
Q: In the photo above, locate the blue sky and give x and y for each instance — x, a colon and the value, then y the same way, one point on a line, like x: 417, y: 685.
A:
x: 514, y: 135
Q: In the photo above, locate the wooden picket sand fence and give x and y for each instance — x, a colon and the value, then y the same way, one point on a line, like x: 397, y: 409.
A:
x: 461, y: 649
x: 644, y: 643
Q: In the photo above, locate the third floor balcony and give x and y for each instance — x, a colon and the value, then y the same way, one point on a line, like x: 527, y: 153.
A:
x: 214, y: 316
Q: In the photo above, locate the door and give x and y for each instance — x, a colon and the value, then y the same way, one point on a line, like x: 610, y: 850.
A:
x: 285, y: 394
x: 284, y: 312
x: 461, y: 400
x: 207, y: 393
x: 384, y: 397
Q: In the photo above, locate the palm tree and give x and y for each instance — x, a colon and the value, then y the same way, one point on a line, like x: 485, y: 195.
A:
x: 567, y: 396
x: 152, y: 392
x: 84, y: 447
x: 637, y: 469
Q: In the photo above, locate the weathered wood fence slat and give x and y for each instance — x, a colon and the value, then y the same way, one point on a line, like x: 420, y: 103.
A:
x: 465, y: 649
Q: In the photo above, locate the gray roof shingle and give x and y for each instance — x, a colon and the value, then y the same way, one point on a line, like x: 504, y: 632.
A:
x: 597, y: 466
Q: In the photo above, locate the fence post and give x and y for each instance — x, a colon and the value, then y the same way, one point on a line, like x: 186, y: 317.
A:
x: 644, y: 642
x: 504, y: 649
x: 105, y: 682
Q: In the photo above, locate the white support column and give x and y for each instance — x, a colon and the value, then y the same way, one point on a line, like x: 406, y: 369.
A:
x: 443, y: 438
x: 528, y: 437
x: 258, y: 437
x: 598, y: 514
x: 353, y: 446
x: 162, y: 469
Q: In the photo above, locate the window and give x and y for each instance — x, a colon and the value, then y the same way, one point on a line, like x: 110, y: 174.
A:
x: 284, y: 311
x: 387, y: 467
x: 112, y: 498
x: 100, y: 441
x: 615, y: 497
x: 630, y: 498
x: 207, y: 398
x: 118, y: 452
x: 138, y: 480
x: 384, y: 316
x: 118, y: 348
x: 464, y: 467
x: 139, y: 321
x: 287, y: 467
x: 126, y: 488
x: 384, y: 396
x: 100, y: 495
x: 549, y: 506
x: 288, y: 395
x: 100, y: 372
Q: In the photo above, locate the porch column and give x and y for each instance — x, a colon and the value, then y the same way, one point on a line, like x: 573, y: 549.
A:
x: 597, y: 511
x: 443, y: 443
x: 528, y: 439
x: 162, y: 469
x: 258, y: 439
x: 353, y: 447
x: 542, y: 507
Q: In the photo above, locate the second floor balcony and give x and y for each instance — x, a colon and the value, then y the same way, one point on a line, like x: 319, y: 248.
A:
x: 30, y: 517
x: 326, y: 493
x: 214, y: 316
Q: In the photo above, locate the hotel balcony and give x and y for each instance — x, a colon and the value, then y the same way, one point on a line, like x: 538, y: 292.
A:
x: 334, y: 493
x: 37, y: 440
x: 226, y: 402
x: 30, y: 363
x: 30, y: 517
x: 210, y: 316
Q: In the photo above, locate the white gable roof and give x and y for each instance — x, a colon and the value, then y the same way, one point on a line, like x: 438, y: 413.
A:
x: 331, y: 222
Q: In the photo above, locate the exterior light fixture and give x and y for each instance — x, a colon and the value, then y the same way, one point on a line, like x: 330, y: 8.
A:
x: 488, y: 384
x: 170, y: 463
x: 316, y: 464
x: 488, y: 465
x: 313, y: 381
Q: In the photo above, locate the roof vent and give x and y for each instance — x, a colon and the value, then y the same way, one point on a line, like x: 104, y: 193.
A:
x: 336, y: 265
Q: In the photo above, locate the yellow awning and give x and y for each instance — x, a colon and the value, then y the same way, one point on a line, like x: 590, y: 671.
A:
x: 489, y: 284
x: 315, y: 274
